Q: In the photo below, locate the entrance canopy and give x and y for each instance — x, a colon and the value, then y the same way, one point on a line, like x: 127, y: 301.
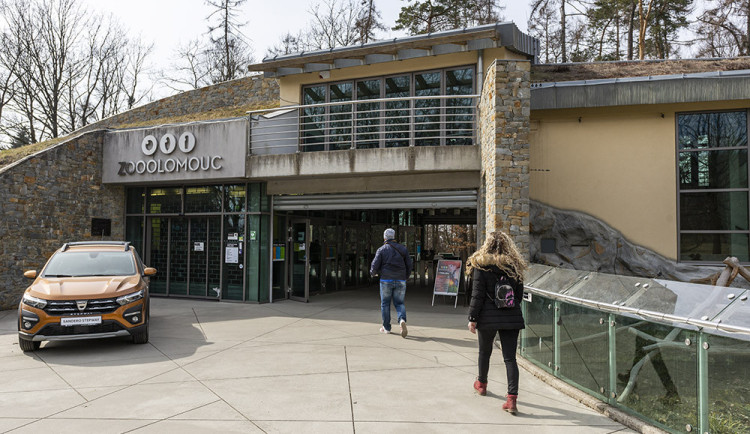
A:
x: 390, y: 200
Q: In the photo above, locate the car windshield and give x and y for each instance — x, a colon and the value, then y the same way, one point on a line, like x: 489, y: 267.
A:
x: 77, y: 264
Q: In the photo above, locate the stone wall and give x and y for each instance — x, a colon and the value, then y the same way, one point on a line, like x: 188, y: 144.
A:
x: 504, y: 110
x: 253, y: 91
x: 47, y: 199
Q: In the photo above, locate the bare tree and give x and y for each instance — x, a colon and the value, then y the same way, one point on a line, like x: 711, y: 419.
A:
x: 192, y: 70
x: 67, y: 67
x: 541, y: 25
x: 91, y: 74
x: 60, y: 24
x: 543, y: 9
x: 133, y: 70
x: 368, y: 21
x: 229, y: 50
x: 288, y: 44
x: 333, y: 24
x: 10, y: 55
x: 724, y: 29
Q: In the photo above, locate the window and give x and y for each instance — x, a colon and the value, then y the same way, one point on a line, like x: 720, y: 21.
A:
x: 713, y: 186
x: 101, y: 227
x: 428, y: 108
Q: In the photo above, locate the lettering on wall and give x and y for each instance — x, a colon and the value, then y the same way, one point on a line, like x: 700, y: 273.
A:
x: 170, y: 155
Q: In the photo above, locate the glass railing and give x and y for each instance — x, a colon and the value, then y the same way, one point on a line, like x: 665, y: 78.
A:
x: 674, y: 354
x: 434, y: 120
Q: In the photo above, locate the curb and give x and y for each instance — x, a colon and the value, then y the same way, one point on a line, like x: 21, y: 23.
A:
x: 584, y: 398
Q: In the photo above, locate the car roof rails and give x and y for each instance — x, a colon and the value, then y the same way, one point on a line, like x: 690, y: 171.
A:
x: 125, y: 244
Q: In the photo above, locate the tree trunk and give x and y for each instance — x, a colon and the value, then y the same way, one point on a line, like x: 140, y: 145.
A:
x: 641, y: 31
x: 631, y: 30
x: 563, y: 31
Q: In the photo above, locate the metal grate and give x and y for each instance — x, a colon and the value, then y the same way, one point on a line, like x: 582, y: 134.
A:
x: 58, y: 330
x: 70, y: 307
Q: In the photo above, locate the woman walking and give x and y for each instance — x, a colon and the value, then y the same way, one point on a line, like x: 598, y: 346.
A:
x: 496, y: 309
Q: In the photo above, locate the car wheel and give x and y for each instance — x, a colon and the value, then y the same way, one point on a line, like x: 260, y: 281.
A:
x: 28, y: 345
x: 141, y: 337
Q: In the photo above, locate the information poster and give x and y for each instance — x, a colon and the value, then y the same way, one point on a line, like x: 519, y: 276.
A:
x: 447, y: 277
x: 232, y: 254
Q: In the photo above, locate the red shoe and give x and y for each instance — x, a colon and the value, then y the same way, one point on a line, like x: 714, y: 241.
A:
x: 480, y: 387
x: 510, y: 404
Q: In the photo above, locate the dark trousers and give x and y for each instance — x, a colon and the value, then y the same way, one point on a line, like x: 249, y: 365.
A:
x: 508, y: 344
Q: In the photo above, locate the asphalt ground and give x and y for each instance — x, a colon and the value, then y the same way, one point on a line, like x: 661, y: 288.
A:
x: 285, y: 367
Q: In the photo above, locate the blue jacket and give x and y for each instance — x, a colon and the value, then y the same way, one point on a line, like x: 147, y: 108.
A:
x: 389, y: 263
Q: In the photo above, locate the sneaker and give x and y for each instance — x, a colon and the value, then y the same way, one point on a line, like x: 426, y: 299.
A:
x: 403, y: 329
x: 383, y: 330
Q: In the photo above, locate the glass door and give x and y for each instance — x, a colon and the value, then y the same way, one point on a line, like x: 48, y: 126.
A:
x: 298, y: 263
x: 158, y: 253
x: 178, y: 256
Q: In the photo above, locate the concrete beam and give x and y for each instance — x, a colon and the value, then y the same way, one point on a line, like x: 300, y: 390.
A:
x: 402, y: 182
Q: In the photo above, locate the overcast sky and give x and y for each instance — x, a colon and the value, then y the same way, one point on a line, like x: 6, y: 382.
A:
x: 168, y: 23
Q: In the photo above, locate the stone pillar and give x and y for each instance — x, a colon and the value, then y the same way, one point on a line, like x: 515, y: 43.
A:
x: 504, y: 111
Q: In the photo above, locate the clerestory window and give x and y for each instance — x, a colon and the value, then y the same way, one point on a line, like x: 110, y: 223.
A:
x: 430, y: 108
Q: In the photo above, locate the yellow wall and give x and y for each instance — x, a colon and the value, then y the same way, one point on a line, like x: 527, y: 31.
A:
x: 616, y: 164
x: 290, y: 85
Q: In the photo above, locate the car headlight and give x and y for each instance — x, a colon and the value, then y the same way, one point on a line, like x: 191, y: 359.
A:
x: 125, y: 299
x: 34, y: 302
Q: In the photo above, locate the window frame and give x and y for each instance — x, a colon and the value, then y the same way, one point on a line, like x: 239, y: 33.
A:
x: 680, y: 191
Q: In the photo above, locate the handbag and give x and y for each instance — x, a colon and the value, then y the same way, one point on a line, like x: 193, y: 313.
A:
x: 504, y: 295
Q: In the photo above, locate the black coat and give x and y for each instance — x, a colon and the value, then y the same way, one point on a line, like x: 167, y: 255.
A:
x: 482, y: 308
x: 392, y: 262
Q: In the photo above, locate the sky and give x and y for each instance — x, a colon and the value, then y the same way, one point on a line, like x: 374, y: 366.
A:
x: 169, y: 23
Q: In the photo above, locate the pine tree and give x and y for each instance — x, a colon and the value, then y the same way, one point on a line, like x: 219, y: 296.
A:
x: 429, y: 16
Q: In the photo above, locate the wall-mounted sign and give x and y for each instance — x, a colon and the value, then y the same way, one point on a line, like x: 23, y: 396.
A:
x: 197, y: 246
x: 232, y: 255
x: 182, y: 152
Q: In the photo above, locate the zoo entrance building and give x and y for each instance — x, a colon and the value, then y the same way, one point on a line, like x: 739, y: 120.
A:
x: 280, y: 186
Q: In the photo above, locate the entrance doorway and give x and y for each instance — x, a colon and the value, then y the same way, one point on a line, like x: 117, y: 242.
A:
x: 188, y: 250
x: 299, y: 260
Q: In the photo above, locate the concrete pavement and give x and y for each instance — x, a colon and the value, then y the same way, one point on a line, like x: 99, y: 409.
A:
x: 320, y: 367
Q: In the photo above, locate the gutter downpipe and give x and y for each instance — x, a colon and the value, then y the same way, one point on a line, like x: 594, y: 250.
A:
x: 480, y: 71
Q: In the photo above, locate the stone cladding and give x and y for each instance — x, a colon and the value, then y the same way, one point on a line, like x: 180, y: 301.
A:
x: 504, y: 111
x: 47, y: 199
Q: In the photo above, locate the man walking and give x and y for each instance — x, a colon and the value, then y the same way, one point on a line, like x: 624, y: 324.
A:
x: 393, y: 264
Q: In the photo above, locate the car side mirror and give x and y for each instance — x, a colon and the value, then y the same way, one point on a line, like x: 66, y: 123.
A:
x: 149, y: 271
x: 30, y: 274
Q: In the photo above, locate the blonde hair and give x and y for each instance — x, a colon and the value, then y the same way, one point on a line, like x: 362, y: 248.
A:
x: 500, y: 250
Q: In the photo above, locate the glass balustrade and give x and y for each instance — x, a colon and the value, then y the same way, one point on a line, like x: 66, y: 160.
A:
x: 675, y: 354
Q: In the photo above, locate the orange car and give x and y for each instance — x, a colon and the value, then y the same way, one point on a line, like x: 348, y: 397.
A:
x: 87, y: 290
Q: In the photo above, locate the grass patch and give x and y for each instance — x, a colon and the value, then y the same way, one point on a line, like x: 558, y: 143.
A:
x: 210, y: 115
x: 8, y: 156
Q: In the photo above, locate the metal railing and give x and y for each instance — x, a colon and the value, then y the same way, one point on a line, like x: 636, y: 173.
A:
x: 435, y: 120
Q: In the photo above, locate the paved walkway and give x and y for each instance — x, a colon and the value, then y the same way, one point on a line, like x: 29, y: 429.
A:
x: 320, y: 367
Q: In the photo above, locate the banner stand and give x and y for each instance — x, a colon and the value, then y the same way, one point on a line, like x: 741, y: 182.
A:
x: 447, y: 279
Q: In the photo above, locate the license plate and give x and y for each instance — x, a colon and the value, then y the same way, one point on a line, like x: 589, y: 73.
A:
x: 83, y: 320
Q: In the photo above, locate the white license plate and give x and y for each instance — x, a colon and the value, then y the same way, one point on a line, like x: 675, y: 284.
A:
x: 83, y: 320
